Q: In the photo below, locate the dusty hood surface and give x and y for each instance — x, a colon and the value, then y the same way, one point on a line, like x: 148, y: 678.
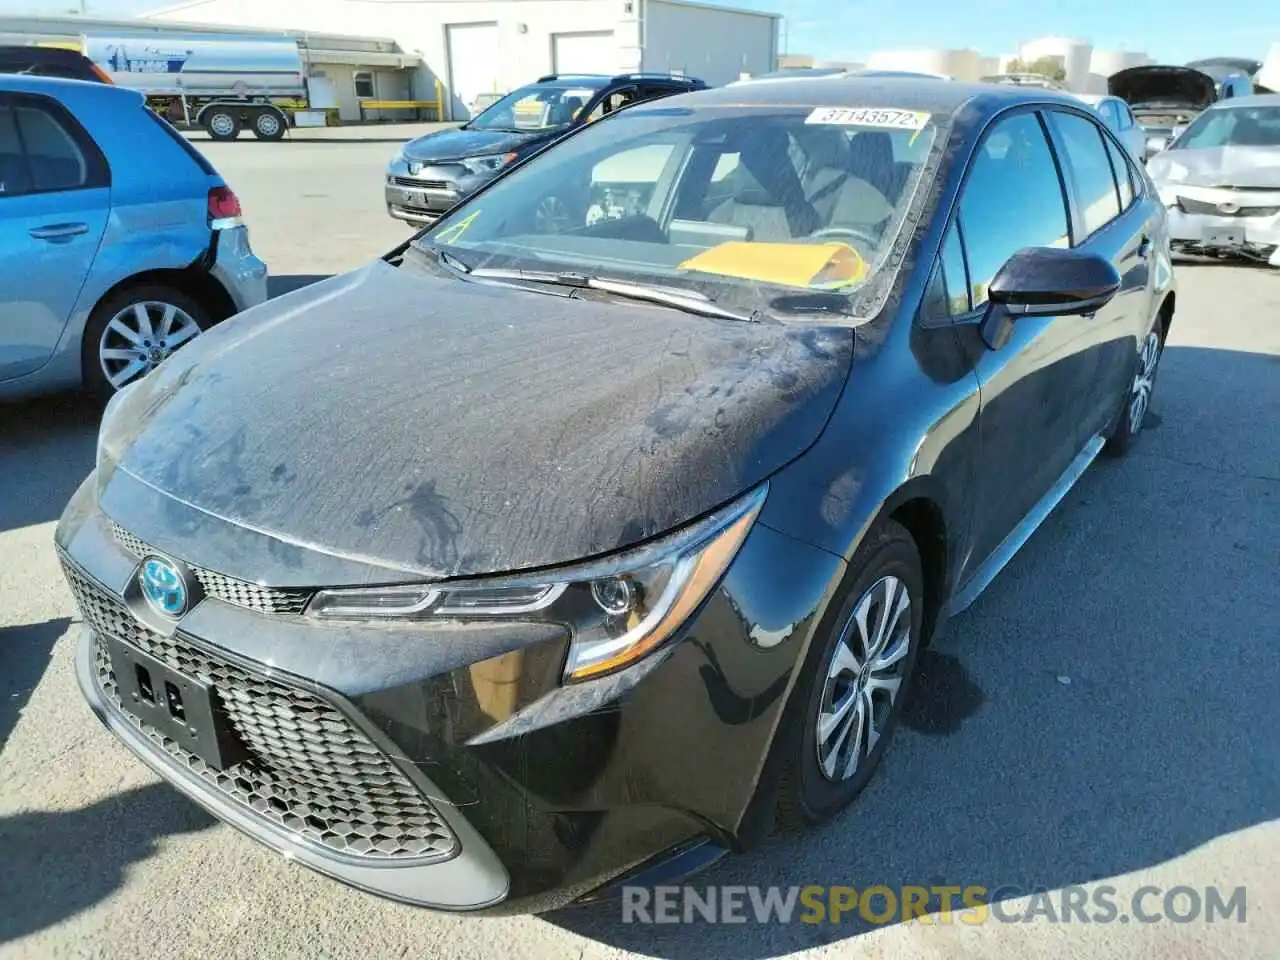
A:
x: 1218, y: 167
x: 460, y: 144
x: 450, y: 428
x: 1166, y: 86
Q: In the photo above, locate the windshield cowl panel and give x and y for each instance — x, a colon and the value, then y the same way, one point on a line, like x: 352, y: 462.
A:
x: 739, y: 204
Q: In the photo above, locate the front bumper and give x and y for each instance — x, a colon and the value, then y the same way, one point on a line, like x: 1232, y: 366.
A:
x: 446, y: 766
x: 1248, y: 226
x: 424, y: 195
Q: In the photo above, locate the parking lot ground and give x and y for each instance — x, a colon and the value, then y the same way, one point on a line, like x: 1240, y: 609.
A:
x: 1106, y: 714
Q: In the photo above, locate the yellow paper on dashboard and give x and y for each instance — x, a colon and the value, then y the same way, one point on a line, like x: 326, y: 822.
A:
x: 824, y: 265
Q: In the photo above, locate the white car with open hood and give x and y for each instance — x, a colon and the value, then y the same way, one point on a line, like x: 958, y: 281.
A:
x: 1220, y: 181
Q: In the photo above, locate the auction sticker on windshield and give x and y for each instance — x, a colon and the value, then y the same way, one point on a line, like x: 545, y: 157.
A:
x: 870, y: 117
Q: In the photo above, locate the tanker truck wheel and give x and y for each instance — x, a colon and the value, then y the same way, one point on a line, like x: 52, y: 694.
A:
x: 222, y: 124
x: 268, y: 125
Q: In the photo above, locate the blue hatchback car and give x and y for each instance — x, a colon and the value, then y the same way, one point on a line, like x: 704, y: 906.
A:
x: 119, y: 242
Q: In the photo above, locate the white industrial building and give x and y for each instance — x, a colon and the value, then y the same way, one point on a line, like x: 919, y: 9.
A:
x: 485, y: 46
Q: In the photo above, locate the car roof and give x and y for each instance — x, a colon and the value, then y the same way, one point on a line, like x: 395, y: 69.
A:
x: 61, y: 89
x: 934, y: 95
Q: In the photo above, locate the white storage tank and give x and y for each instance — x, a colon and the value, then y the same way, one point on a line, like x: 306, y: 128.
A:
x: 1107, y: 63
x: 1269, y: 73
x: 1073, y: 55
x: 960, y: 64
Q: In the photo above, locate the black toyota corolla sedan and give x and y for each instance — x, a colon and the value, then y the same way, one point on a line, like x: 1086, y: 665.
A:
x: 613, y: 544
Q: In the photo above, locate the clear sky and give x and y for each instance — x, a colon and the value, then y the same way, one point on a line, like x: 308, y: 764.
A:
x: 1172, y: 31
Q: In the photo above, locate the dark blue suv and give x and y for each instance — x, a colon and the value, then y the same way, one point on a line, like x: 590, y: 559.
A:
x: 434, y: 172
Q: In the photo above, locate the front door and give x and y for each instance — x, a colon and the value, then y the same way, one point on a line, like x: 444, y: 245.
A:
x: 54, y: 202
x: 1034, y: 388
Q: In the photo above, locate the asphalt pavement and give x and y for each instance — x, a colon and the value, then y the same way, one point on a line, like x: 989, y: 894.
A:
x: 1106, y: 714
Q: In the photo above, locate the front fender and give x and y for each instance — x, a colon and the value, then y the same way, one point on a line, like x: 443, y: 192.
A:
x: 905, y: 429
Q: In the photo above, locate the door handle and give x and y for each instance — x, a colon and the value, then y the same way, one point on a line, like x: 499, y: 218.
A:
x: 59, y: 232
x: 1144, y: 247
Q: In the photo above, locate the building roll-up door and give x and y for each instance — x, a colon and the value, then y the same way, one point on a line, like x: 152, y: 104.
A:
x: 594, y: 52
x: 473, y: 59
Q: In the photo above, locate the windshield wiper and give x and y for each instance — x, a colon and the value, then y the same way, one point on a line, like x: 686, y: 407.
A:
x: 691, y: 301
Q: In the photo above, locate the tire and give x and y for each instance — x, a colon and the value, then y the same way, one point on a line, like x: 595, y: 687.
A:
x: 268, y: 125
x: 110, y: 359
x: 1137, y: 402
x: 806, y: 794
x: 221, y: 124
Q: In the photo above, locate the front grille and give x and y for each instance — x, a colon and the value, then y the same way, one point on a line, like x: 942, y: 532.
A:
x: 422, y: 184
x: 271, y: 600
x: 310, y: 772
x: 1189, y: 205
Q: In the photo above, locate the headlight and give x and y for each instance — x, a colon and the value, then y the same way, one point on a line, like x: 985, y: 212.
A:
x: 490, y: 164
x: 618, y: 609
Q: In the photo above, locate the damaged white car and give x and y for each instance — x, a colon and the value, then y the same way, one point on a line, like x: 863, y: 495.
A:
x: 1220, y: 181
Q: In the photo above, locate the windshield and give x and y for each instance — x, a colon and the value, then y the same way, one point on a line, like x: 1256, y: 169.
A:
x: 720, y: 199
x: 1233, y: 127
x: 539, y: 106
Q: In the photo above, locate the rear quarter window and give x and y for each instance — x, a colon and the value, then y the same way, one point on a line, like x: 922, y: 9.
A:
x: 196, y: 156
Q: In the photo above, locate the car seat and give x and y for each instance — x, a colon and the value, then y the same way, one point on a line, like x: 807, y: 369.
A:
x: 769, y: 199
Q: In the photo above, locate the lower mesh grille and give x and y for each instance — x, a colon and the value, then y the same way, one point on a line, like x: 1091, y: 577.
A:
x: 311, y: 772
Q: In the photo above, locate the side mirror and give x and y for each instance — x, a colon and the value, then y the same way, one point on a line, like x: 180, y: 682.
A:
x: 1046, y: 282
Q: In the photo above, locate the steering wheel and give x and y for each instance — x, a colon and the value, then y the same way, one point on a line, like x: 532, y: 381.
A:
x: 867, y: 240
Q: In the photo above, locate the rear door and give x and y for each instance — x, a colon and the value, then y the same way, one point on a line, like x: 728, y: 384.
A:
x: 1109, y: 222
x: 54, y: 201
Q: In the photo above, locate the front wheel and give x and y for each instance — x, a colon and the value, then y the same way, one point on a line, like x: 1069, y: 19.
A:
x: 854, y: 682
x: 1138, y: 401
x: 133, y: 331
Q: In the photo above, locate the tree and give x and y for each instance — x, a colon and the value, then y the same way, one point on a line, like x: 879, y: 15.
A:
x: 1042, y: 66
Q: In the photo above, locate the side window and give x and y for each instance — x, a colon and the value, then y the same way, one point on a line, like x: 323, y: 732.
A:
x: 614, y: 101
x: 1011, y: 199
x: 1094, y: 182
x: 57, y: 161
x: 364, y: 84
x: 948, y: 293
x: 1107, y: 110
x: 1121, y: 168
x: 15, y: 172
x: 651, y: 91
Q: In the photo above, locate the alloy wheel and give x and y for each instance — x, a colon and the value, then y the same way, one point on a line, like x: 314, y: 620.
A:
x: 864, y: 678
x: 267, y: 124
x: 1144, y: 381
x: 139, y: 337
x: 551, y: 215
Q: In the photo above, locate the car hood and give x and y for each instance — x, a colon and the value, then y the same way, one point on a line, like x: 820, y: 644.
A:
x: 1218, y: 167
x: 458, y: 144
x: 447, y: 428
x: 1166, y: 86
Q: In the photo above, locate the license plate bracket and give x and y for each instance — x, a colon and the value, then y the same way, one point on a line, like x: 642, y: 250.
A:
x: 1223, y: 238
x: 178, y: 706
